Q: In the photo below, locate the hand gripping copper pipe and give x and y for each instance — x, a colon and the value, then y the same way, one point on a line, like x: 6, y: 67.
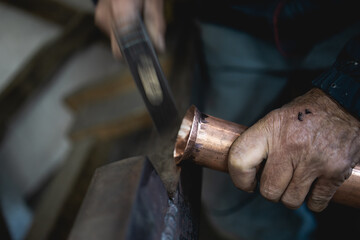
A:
x: 206, y: 140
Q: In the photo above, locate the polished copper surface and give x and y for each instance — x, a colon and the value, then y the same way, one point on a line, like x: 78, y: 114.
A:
x: 349, y: 192
x: 206, y: 140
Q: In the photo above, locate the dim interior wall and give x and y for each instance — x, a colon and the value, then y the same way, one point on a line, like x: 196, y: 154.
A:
x: 37, y: 140
x: 84, y: 5
x: 21, y: 34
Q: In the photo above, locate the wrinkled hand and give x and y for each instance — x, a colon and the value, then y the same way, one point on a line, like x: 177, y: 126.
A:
x: 108, y: 11
x: 309, y: 144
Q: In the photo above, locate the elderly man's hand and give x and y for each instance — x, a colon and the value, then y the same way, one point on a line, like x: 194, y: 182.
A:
x: 109, y: 11
x: 310, y: 144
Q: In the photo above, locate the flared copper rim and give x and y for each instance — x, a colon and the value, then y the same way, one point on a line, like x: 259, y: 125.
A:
x: 186, y: 137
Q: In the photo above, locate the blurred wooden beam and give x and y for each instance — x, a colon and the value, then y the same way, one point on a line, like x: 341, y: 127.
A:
x: 111, y: 107
x: 102, y: 89
x: 49, y: 10
x: 97, y: 156
x: 40, y: 69
x: 110, y: 86
x: 112, y: 117
x: 52, y: 200
x: 59, y: 204
x: 108, y: 109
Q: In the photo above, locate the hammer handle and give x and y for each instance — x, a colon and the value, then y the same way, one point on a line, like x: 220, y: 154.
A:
x: 139, y: 53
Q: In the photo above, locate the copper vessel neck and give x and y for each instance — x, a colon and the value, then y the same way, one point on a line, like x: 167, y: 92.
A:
x: 186, y: 137
x: 205, y: 140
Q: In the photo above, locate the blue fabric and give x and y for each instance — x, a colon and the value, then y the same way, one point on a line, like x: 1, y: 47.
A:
x: 239, y: 89
x: 300, y: 23
x: 342, y: 80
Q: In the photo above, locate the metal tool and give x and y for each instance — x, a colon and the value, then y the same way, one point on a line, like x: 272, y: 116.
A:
x: 140, y: 55
x: 206, y: 141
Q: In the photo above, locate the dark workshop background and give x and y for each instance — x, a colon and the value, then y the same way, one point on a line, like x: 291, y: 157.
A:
x: 67, y: 107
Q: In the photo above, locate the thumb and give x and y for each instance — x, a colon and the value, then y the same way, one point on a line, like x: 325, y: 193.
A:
x: 155, y: 22
x: 245, y: 155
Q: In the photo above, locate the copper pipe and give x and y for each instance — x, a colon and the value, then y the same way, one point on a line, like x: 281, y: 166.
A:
x: 349, y: 192
x: 206, y: 140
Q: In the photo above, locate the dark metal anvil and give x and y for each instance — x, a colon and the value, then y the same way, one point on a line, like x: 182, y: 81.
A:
x: 128, y: 200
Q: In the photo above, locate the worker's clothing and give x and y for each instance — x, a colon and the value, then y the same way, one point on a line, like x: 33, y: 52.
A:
x: 342, y: 80
x: 245, y: 77
x: 294, y: 26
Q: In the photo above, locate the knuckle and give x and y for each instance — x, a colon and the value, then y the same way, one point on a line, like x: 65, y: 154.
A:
x: 270, y: 193
x: 272, y: 116
x: 338, y: 170
x: 317, y: 205
x: 236, y: 162
x: 292, y: 199
x: 320, y: 199
x: 244, y: 183
x: 241, y: 186
x: 291, y: 203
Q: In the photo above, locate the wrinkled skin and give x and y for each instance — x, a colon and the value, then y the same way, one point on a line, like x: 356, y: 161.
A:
x: 108, y: 12
x: 310, y: 144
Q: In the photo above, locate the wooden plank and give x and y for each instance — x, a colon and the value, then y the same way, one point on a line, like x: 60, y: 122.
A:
x: 38, y: 71
x: 110, y: 108
x: 111, y: 117
x: 49, y: 10
x: 61, y: 214
x: 110, y: 86
x: 52, y: 200
x: 98, y: 155
x: 102, y: 89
